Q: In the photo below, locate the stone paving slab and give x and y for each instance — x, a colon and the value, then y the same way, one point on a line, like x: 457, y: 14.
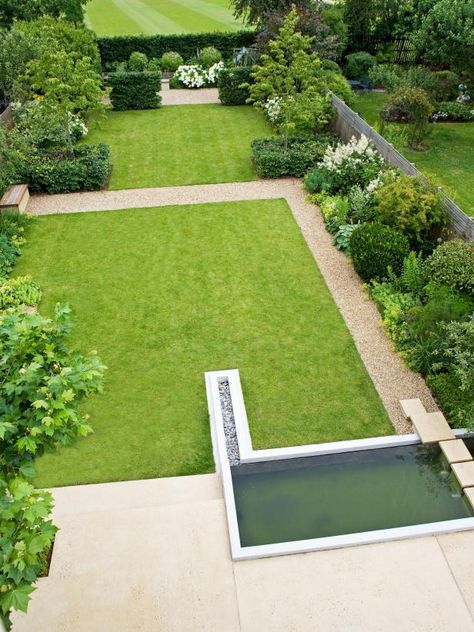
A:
x: 167, y: 568
x: 412, y: 407
x: 188, y: 96
x: 464, y: 473
x: 432, y: 427
x: 136, y: 494
x: 402, y: 586
x: 458, y: 549
x: 164, y: 567
x: 455, y: 451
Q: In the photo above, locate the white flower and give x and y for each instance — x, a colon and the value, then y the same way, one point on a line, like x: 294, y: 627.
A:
x: 77, y: 127
x: 191, y: 76
x: 214, y: 71
x: 354, y: 154
x: 273, y: 108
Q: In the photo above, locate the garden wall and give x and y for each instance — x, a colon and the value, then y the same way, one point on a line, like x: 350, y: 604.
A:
x: 348, y: 123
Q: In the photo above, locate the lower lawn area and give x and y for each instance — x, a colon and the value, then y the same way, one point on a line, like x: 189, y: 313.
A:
x: 134, y: 17
x: 449, y: 161
x: 181, y: 144
x: 166, y: 294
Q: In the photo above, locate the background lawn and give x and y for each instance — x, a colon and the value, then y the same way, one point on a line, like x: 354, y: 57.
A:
x: 449, y: 161
x: 181, y: 144
x: 166, y: 294
x: 133, y: 17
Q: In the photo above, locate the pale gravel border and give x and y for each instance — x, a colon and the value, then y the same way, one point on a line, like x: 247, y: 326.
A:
x: 391, y: 377
x: 199, y: 96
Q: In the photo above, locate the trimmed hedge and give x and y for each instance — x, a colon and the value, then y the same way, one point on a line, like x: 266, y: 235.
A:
x: 376, y: 249
x: 87, y: 170
x: 113, y: 49
x: 135, y: 90
x: 273, y: 160
x: 229, y: 82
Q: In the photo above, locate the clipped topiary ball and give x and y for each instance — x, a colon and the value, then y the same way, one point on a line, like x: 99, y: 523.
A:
x: 171, y: 61
x: 376, y: 248
x: 209, y: 56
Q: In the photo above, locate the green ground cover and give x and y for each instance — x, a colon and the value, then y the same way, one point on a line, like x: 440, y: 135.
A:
x: 166, y: 294
x: 449, y: 161
x: 135, y: 17
x: 181, y: 144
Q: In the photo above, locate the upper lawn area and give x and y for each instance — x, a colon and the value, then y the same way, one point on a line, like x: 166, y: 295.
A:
x: 449, y: 161
x: 166, y: 294
x: 134, y: 17
x: 181, y: 144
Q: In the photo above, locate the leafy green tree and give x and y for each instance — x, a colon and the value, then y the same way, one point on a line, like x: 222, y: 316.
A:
x: 290, y: 79
x: 324, y: 23
x: 256, y: 11
x: 446, y: 35
x: 64, y: 82
x: 42, y: 384
x: 27, y: 41
x: 10, y: 10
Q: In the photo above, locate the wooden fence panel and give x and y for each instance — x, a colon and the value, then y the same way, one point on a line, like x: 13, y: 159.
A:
x: 348, y: 124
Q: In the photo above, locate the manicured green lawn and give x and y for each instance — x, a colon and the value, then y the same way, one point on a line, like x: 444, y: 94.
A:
x: 181, y: 144
x: 449, y: 161
x: 166, y: 294
x: 134, y: 17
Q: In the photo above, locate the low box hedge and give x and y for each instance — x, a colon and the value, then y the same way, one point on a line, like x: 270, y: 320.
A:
x: 273, y: 160
x: 87, y: 170
x: 229, y: 83
x: 135, y: 90
x: 113, y: 49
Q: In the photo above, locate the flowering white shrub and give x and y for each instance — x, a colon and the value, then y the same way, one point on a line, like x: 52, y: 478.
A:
x: 214, y: 71
x: 273, y: 109
x: 355, y: 152
x: 191, y: 76
x: 356, y: 163
x: 77, y: 128
x: 197, y: 76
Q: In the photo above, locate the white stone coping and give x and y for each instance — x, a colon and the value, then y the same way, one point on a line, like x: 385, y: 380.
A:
x: 249, y: 455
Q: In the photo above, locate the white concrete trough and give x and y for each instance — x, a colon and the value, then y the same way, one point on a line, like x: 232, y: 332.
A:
x: 336, y: 459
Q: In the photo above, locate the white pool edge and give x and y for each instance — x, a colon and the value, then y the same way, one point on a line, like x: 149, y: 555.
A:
x: 249, y: 455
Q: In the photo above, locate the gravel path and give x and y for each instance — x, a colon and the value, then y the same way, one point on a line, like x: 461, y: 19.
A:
x: 392, y: 379
x: 188, y: 97
x: 230, y: 431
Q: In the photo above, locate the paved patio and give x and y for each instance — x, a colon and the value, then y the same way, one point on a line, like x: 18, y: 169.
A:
x: 154, y: 556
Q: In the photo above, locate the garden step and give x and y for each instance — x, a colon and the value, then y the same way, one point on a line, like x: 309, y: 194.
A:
x: 412, y: 407
x: 432, y: 427
x: 136, y: 494
x: 464, y: 473
x: 455, y: 451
